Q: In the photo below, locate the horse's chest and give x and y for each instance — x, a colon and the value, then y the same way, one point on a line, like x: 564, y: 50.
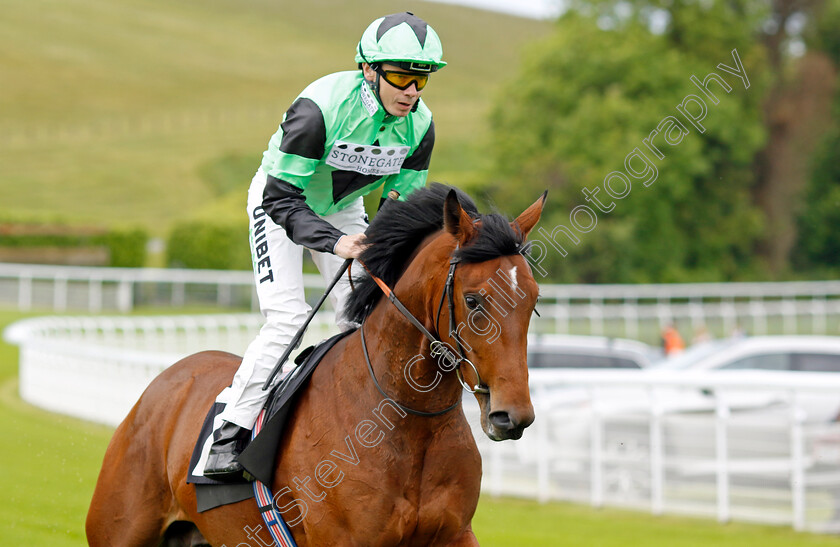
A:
x: 390, y: 489
x: 431, y: 522
x: 395, y: 506
x: 438, y: 498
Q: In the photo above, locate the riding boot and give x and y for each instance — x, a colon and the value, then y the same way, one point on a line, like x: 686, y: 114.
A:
x: 228, y: 442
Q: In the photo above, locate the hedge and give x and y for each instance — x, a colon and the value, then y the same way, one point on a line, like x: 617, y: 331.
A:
x: 209, y: 244
x: 126, y: 246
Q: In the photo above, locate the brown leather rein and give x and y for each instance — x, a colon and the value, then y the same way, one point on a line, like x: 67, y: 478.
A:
x: 439, y: 349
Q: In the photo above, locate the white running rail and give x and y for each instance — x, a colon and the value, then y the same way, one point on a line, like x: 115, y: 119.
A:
x: 95, y: 368
x: 628, y: 311
x: 737, y: 445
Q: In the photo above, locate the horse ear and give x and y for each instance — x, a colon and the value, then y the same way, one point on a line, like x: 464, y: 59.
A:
x: 456, y: 221
x: 530, y: 216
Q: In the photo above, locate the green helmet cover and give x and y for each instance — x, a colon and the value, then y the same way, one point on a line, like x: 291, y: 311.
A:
x: 403, y: 39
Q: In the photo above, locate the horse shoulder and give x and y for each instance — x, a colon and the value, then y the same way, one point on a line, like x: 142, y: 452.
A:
x: 451, y: 483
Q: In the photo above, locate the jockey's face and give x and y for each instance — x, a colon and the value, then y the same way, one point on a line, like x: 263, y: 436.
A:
x: 397, y: 102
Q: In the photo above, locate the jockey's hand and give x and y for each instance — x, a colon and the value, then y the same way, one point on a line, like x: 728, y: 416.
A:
x: 350, y: 245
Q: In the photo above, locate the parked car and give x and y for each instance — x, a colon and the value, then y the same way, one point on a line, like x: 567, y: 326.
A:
x: 569, y: 351
x: 786, y: 354
x: 780, y: 353
x: 617, y: 417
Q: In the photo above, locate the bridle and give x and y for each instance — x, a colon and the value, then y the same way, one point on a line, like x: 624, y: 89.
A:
x: 449, y: 293
x: 438, y: 348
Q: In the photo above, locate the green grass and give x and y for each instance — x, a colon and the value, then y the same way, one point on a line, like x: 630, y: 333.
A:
x: 508, y: 523
x: 131, y: 111
x: 143, y: 112
x: 51, y: 462
x: 54, y: 462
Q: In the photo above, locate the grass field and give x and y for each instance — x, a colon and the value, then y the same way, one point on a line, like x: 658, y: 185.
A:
x: 50, y: 465
x: 141, y: 112
x: 144, y: 112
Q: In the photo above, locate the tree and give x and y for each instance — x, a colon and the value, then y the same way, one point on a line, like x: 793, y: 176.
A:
x: 795, y: 103
x: 818, y: 239
x: 580, y: 111
x: 818, y: 245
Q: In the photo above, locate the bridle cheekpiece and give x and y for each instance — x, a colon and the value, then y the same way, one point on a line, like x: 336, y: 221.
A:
x: 438, y: 349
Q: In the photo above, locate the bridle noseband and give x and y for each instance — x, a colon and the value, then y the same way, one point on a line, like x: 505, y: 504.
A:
x: 437, y: 347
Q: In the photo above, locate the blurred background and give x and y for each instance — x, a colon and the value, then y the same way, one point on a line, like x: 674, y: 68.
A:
x: 130, y: 131
x: 138, y: 123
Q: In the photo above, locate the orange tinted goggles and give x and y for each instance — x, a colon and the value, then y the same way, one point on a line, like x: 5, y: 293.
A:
x: 402, y: 80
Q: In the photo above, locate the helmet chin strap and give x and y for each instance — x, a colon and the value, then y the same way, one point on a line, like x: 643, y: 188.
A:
x: 375, y: 86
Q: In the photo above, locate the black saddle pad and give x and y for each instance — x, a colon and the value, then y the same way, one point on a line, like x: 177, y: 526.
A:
x: 210, y: 493
x: 259, y: 456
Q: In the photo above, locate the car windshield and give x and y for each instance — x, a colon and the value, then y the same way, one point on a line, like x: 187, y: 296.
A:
x: 569, y: 358
x: 694, y: 354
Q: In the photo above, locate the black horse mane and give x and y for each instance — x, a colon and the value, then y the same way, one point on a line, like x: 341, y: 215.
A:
x: 400, y: 226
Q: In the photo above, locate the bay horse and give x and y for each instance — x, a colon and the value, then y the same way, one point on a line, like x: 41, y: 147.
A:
x: 356, y: 468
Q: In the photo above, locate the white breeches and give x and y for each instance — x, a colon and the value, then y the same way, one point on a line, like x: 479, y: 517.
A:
x: 278, y: 274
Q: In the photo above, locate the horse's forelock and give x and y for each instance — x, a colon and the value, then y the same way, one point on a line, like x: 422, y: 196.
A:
x: 495, y: 238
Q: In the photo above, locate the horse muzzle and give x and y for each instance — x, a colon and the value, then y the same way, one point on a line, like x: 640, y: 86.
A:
x: 501, y: 425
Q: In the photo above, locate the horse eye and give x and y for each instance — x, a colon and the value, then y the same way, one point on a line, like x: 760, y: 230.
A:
x: 472, y: 302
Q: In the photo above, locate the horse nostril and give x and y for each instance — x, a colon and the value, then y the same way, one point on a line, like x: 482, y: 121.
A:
x: 501, y: 420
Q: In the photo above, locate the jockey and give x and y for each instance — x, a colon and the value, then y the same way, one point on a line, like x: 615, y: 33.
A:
x: 344, y: 136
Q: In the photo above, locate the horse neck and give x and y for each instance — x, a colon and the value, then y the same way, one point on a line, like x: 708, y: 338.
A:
x: 395, y: 345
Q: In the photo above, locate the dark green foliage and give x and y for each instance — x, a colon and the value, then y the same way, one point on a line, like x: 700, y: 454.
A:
x: 818, y: 225
x: 126, y: 247
x: 818, y: 246
x: 825, y: 33
x: 585, y: 100
x: 209, y: 244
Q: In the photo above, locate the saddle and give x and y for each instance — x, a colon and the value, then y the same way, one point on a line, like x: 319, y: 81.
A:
x: 259, y: 456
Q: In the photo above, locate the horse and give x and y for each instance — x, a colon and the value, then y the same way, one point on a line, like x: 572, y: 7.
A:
x: 378, y: 451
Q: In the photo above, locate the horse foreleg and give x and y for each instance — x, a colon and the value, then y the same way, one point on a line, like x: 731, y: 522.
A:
x: 466, y: 539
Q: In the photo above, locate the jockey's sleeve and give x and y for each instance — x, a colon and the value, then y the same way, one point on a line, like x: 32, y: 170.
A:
x: 415, y: 169
x: 303, y: 133
x: 287, y: 207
